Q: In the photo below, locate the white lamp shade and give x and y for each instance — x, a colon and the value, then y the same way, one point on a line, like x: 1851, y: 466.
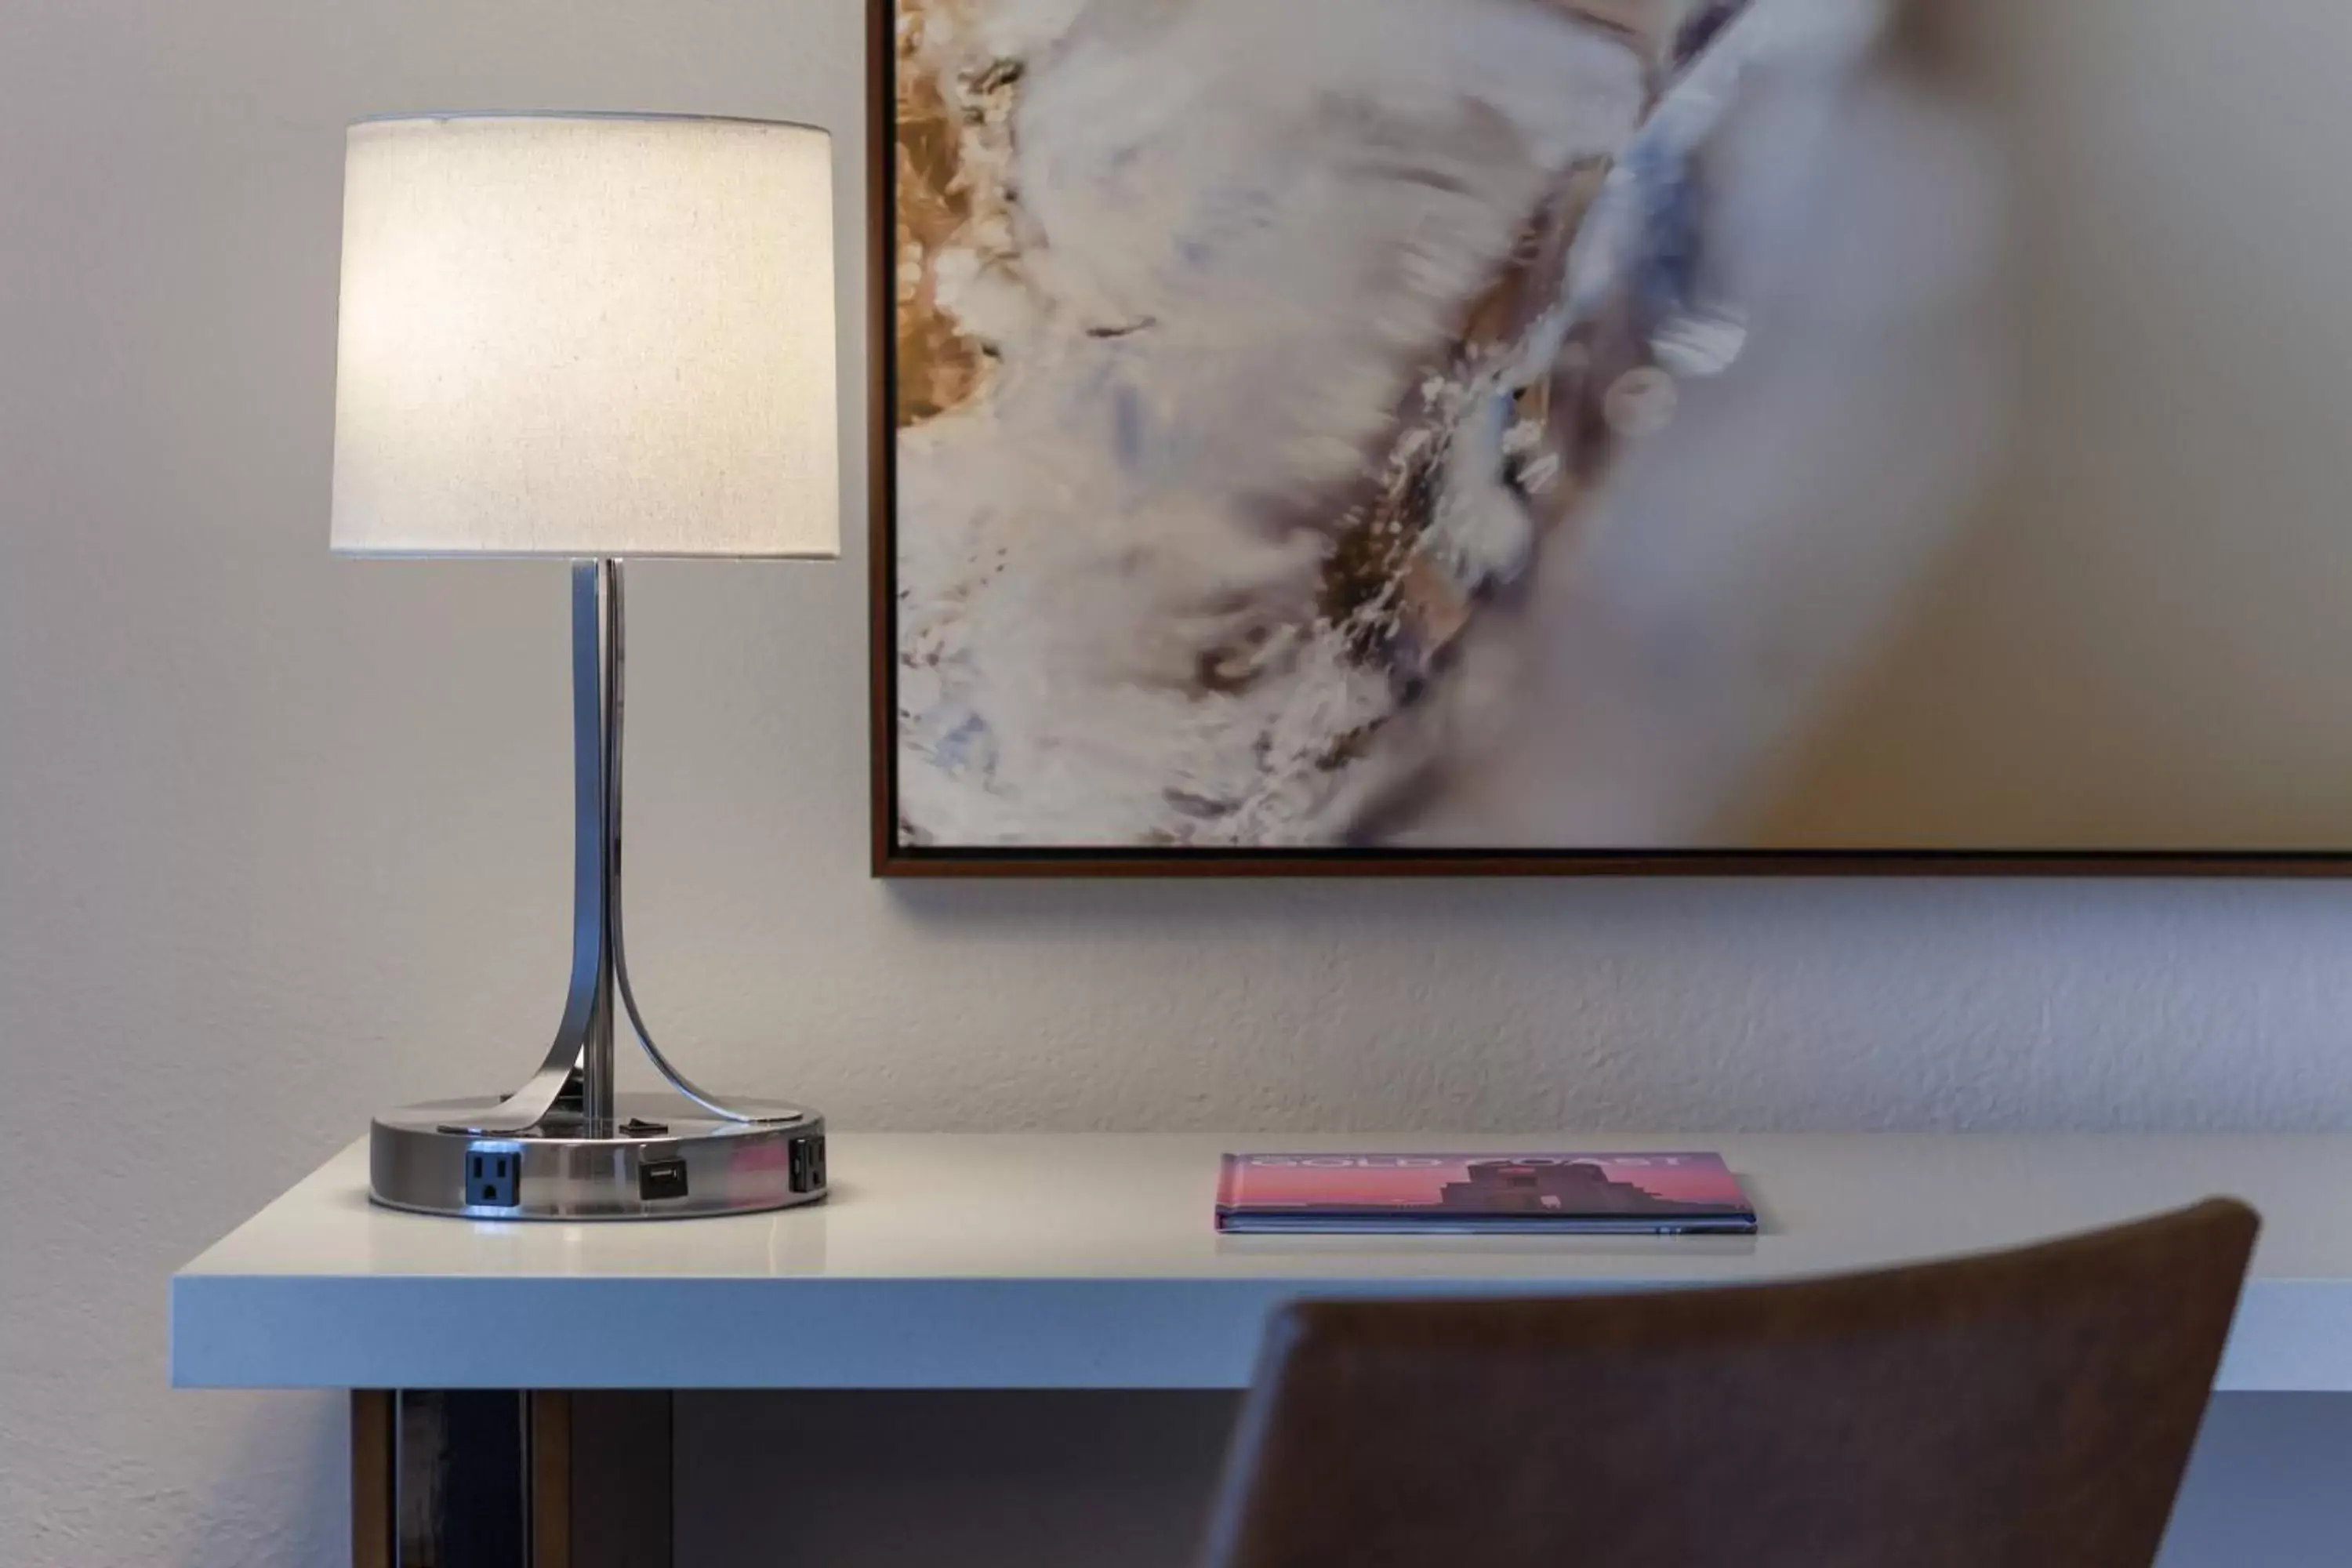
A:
x: 586, y: 335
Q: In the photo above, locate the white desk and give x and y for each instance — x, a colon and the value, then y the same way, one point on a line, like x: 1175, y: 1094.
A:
x: 1088, y: 1262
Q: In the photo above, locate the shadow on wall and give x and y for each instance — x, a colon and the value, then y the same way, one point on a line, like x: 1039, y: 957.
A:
x: 279, y: 1488
x: 1080, y: 1481
x: 982, y: 1480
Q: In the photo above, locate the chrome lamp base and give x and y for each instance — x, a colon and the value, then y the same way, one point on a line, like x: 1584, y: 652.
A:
x: 564, y: 1146
x: 658, y: 1165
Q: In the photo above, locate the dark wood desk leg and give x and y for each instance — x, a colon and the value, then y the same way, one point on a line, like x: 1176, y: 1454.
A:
x: 372, y: 1489
x: 551, y: 1480
x: 500, y: 1479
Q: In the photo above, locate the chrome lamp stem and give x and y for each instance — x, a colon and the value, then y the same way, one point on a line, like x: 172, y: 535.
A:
x: 575, y: 1082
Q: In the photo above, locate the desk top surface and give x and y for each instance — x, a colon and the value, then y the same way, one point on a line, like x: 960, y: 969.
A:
x: 1056, y: 1260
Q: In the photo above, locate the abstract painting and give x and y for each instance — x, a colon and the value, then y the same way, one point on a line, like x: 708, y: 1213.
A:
x: 1424, y: 433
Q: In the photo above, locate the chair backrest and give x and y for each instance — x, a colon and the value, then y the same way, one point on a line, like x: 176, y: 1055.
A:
x: 2023, y: 1409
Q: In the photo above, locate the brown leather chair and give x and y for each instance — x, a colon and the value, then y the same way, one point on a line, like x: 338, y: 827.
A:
x: 2025, y: 1409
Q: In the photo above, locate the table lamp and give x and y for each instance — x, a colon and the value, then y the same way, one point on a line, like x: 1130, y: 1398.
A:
x: 589, y: 336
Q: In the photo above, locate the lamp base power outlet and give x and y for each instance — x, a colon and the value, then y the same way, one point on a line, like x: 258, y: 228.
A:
x: 494, y: 1175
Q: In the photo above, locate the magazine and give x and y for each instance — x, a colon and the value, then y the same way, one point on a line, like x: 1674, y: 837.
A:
x: 1567, y: 1194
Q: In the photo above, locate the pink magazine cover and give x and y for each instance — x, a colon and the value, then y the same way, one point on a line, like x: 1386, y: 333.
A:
x: 1640, y: 1191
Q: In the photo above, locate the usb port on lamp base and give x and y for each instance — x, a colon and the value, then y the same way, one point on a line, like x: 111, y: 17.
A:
x: 659, y: 1179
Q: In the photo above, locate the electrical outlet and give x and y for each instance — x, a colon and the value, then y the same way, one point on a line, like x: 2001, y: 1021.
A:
x: 493, y: 1176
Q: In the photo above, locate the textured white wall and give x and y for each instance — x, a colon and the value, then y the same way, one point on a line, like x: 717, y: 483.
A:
x: 283, y: 839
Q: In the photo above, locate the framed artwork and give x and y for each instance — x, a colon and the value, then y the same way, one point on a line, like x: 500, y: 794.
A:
x: 1453, y: 437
